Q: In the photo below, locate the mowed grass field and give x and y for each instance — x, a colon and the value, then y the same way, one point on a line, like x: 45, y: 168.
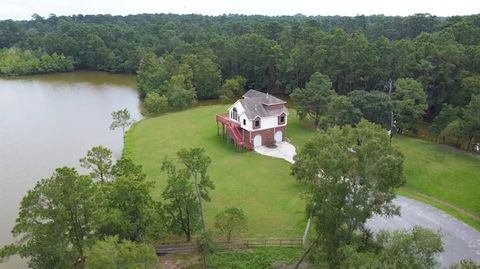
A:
x: 442, y: 172
x: 262, y: 186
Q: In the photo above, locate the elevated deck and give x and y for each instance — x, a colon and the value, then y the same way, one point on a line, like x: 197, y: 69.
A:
x: 231, y: 129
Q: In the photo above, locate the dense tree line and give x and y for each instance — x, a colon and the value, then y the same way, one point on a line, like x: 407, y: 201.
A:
x: 278, y: 53
x: 180, y: 59
x: 399, y: 109
x: 14, y: 62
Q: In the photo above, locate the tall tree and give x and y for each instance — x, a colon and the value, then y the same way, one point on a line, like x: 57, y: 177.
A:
x: 179, y: 92
x: 340, y: 112
x: 409, y: 103
x: 181, y: 206
x: 131, y: 211
x: 99, y: 161
x: 197, y: 162
x: 234, y: 87
x: 57, y: 220
x: 374, y: 106
x: 206, y: 76
x: 151, y: 73
x: 313, y: 100
x: 350, y: 174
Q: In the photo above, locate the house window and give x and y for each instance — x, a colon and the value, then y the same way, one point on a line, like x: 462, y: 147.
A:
x: 234, y: 114
x: 282, y: 118
x: 257, y: 123
x: 244, y: 122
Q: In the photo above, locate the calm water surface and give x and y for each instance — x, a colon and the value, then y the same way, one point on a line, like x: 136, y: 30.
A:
x: 49, y: 121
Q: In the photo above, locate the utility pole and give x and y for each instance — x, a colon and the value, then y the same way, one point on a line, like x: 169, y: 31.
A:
x: 390, y: 88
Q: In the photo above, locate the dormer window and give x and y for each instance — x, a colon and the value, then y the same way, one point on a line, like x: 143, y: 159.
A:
x: 244, y: 122
x: 281, y: 119
x: 256, y: 123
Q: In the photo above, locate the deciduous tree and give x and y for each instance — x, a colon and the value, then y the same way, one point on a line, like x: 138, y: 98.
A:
x: 231, y: 220
x: 154, y: 104
x: 447, y: 115
x: 415, y: 249
x: 112, y: 253
x: 57, y: 220
x: 350, y: 174
x: 340, y: 112
x: 132, y: 214
x: 181, y: 206
x: 234, y: 87
x: 373, y: 105
x: 313, y: 100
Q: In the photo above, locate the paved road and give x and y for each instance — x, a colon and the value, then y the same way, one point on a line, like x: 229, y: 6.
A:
x: 460, y: 240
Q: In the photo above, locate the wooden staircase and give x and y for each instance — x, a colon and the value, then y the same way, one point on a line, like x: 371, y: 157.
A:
x: 232, y: 129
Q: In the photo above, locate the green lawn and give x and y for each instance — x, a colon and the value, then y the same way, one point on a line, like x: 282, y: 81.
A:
x: 263, y: 187
x: 260, y: 185
x: 442, y: 172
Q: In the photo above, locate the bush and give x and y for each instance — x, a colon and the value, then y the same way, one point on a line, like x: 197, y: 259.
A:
x: 154, y: 104
x: 112, y: 253
x: 261, y: 258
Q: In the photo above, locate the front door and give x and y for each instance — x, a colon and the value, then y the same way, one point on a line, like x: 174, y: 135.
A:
x: 278, y: 136
x: 257, y: 141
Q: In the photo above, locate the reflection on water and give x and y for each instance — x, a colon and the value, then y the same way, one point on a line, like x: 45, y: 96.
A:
x: 49, y: 121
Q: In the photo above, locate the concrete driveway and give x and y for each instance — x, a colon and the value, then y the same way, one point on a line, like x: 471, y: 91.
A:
x: 460, y: 240
x: 282, y: 150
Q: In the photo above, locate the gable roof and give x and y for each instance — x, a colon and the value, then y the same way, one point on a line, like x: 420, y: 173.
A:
x: 256, y: 103
x: 263, y: 98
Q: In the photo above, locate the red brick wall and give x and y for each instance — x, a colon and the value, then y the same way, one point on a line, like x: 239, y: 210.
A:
x: 268, y: 135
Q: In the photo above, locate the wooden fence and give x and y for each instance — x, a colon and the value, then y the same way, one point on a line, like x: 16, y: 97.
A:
x: 168, y: 248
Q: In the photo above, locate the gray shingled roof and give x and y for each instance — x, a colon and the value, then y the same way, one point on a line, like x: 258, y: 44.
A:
x: 263, y: 98
x: 255, y: 104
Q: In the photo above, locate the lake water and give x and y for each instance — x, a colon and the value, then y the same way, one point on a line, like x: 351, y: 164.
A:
x: 49, y: 121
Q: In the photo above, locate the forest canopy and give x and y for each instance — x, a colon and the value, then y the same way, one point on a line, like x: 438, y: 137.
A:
x: 180, y: 59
